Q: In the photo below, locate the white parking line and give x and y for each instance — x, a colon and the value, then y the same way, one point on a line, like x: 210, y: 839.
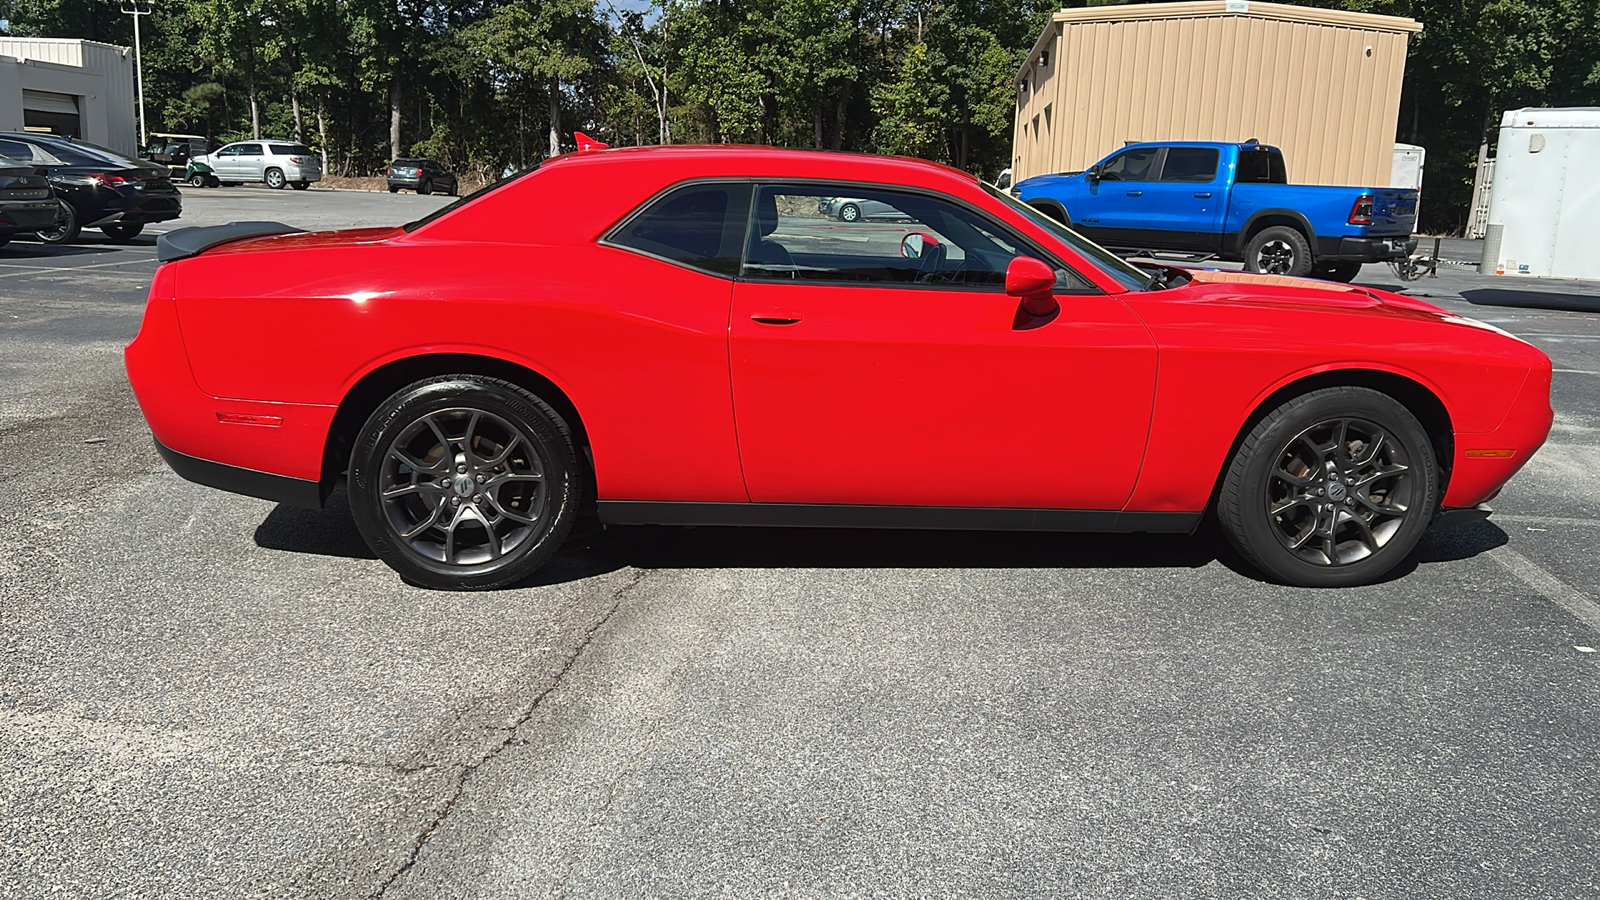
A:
x: 1552, y: 588
x: 120, y: 262
x: 1576, y: 371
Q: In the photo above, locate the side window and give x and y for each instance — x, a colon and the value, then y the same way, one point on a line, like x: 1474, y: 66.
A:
x: 698, y: 225
x: 876, y: 236
x: 17, y: 151
x: 249, y: 149
x: 1192, y: 164
x: 229, y: 151
x: 1131, y: 165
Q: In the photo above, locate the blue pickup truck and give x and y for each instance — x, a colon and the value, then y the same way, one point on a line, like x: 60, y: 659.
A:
x: 1227, y: 201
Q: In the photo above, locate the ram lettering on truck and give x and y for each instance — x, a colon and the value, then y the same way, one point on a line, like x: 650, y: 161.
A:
x: 1228, y: 201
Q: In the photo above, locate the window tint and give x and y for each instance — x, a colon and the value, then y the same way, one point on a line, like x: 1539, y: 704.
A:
x: 249, y: 149
x: 77, y: 153
x: 234, y: 150
x: 1197, y: 164
x: 16, y: 150
x: 1261, y: 166
x: 804, y: 233
x: 698, y: 225
x: 1131, y: 165
x: 290, y: 149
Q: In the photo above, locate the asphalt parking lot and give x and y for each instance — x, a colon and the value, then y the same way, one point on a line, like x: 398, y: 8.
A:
x: 207, y: 695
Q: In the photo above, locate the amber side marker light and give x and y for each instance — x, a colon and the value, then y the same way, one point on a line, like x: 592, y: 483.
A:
x: 1491, y: 454
x: 270, y: 421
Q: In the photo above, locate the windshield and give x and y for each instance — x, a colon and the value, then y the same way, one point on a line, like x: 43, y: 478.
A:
x: 1124, y: 272
x: 413, y: 226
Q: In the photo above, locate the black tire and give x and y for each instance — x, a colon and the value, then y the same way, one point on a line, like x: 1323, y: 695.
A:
x: 230, y: 183
x: 435, y: 419
x: 122, y: 232
x: 1279, y: 250
x: 394, y: 188
x: 66, y: 228
x: 1333, y: 488
x: 302, y: 185
x: 213, y: 182
x: 1337, y: 271
x: 198, y: 180
x: 849, y: 213
x: 4, y: 239
x: 455, y: 188
x: 424, y: 186
x: 274, y: 179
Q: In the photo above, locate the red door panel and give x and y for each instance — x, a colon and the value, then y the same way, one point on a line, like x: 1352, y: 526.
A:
x: 932, y: 397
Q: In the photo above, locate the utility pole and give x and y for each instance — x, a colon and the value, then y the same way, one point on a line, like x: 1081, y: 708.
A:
x: 137, y: 8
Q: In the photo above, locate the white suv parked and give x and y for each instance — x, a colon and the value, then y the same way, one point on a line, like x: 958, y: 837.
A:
x: 275, y: 162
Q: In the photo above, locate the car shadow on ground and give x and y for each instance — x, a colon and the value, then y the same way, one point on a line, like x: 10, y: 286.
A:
x: 1519, y: 299
x: 592, y: 550
x: 19, y: 249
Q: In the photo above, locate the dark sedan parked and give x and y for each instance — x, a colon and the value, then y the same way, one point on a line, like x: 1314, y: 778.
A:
x: 421, y: 175
x: 26, y: 201
x: 96, y: 187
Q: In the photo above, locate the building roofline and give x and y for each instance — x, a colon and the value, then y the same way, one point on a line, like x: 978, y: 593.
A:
x: 1201, y: 9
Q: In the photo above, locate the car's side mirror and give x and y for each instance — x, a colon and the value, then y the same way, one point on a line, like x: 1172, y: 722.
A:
x: 1093, y: 174
x: 1032, y: 281
x: 913, y: 245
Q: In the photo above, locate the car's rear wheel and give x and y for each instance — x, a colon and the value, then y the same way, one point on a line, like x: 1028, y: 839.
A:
x: 394, y: 188
x: 849, y: 212
x: 424, y: 186
x: 122, y: 231
x: 464, y: 482
x: 1333, y: 488
x: 1279, y: 250
x: 275, y: 179
x: 66, y: 228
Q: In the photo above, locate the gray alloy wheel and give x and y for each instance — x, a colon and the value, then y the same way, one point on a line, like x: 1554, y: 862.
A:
x: 464, y: 482
x: 275, y: 179
x: 849, y: 212
x: 1278, y: 250
x: 1332, y: 488
x: 66, y: 228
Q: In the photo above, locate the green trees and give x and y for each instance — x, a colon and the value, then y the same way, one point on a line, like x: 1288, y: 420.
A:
x: 484, y: 84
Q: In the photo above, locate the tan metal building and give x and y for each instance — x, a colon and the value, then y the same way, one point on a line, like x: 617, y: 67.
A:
x: 68, y: 86
x: 1322, y: 84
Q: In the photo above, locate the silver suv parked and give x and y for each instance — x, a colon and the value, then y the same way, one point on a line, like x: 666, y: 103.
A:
x: 275, y: 162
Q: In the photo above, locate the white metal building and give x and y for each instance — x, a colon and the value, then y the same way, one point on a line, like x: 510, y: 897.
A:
x: 69, y: 86
x: 1544, y: 207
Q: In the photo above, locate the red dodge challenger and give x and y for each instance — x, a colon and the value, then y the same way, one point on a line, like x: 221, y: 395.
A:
x: 695, y: 343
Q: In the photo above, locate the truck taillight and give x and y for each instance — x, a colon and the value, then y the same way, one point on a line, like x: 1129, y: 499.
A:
x: 1361, y: 213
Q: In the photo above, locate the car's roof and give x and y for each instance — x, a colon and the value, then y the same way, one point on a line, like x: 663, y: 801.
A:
x: 740, y: 159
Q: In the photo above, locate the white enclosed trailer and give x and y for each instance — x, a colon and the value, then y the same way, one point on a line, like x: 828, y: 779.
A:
x: 1544, y: 208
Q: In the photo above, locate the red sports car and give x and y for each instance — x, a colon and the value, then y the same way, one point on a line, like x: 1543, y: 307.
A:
x: 699, y: 345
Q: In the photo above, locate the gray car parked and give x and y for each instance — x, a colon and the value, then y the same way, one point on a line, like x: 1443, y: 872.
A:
x: 276, y: 163
x: 855, y: 209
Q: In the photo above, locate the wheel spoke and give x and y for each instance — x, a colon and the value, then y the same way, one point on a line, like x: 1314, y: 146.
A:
x: 470, y: 451
x: 1297, y: 480
x: 508, y: 513
x: 407, y: 489
x: 1367, y: 537
x: 444, y: 442
x: 414, y: 464
x: 432, y: 520
x: 1284, y: 506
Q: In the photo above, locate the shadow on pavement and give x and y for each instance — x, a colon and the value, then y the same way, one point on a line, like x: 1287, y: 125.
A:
x: 592, y: 550
x: 24, y: 250
x: 1569, y: 302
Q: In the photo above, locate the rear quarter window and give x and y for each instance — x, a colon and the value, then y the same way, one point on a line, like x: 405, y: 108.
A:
x: 698, y: 225
x: 290, y: 150
x: 1261, y: 167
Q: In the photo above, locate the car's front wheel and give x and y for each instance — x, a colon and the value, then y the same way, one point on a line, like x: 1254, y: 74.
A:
x: 1333, y: 488
x: 464, y: 482
x: 849, y: 212
x: 198, y: 180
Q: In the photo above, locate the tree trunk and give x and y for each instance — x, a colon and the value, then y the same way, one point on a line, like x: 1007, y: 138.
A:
x: 816, y: 126
x: 255, y: 112
x: 299, y: 127
x: 322, y: 135
x: 555, y: 115
x: 394, y: 116
x: 839, y: 113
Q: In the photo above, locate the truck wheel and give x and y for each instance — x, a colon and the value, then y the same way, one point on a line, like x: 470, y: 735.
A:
x: 1337, y: 271
x: 1278, y: 250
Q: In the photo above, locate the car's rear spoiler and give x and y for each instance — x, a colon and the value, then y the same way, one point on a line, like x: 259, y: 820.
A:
x: 186, y: 242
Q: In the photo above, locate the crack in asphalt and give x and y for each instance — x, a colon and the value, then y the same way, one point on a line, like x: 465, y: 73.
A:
x: 459, y: 786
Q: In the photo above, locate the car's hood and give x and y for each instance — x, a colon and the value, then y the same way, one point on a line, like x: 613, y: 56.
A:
x: 1284, y: 291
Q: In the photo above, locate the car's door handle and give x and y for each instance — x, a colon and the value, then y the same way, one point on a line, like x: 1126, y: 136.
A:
x: 1136, y: 193
x: 1204, y: 196
x: 775, y: 317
